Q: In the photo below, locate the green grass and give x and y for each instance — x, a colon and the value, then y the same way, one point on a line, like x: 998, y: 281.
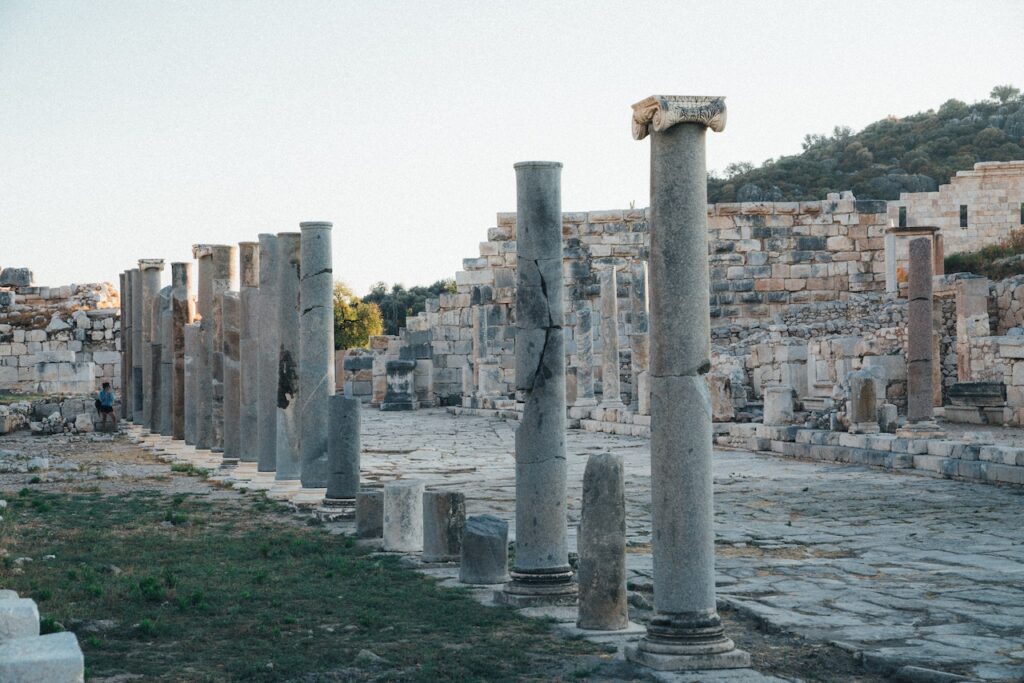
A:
x: 992, y: 261
x: 233, y: 591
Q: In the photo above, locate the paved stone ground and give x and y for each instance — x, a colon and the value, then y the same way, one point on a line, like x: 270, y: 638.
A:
x: 907, y: 569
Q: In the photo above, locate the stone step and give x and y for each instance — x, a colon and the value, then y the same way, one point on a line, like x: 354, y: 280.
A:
x: 53, y: 658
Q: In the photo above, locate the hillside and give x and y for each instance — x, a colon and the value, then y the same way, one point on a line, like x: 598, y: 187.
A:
x: 911, y: 154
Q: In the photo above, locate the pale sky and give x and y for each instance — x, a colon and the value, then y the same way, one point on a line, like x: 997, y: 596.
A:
x: 133, y: 129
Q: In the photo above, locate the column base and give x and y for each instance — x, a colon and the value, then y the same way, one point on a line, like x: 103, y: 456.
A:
x: 687, y: 642
x: 228, y: 463
x: 538, y: 589
x: 925, y: 429
x: 333, y: 509
x: 864, y: 428
x: 661, y: 661
x: 584, y: 403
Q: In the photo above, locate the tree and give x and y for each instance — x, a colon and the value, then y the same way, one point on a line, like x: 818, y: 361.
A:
x: 354, y: 321
x: 1004, y: 93
x: 399, y: 303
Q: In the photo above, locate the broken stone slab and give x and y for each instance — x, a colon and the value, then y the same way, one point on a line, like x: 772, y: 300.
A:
x: 369, y: 514
x: 403, y: 516
x: 484, y: 558
x: 19, y: 618
x: 53, y: 658
x: 444, y: 520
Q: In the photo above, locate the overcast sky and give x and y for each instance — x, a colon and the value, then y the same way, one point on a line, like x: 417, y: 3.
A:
x: 133, y: 129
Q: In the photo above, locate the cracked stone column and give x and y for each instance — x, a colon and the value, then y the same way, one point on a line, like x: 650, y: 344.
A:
x: 611, y: 396
x: 248, y: 349
x: 125, y: 345
x: 166, y: 361
x: 639, y: 337
x: 230, y: 304
x: 223, y: 277
x: 135, y: 397
x: 919, y: 336
x: 316, y: 351
x: 182, y: 312
x: 289, y: 247
x: 203, y: 253
x: 541, y: 574
x: 150, y: 269
x: 193, y: 348
x: 266, y: 400
x: 685, y: 632
x: 344, y: 444
x: 584, y: 357
x: 155, y: 351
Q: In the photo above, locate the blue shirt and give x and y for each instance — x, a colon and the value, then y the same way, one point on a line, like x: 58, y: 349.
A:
x: 107, y: 398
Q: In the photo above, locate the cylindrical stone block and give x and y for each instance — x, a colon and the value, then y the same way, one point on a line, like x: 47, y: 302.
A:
x: 484, y: 558
x: 316, y: 350
x: 343, y: 445
x: 289, y: 248
x: 584, y: 356
x: 181, y: 315
x: 602, y: 545
x: 369, y: 514
x: 248, y: 350
x: 266, y: 401
x: 230, y: 305
x: 403, y: 516
x: 919, y: 332
x: 444, y: 519
x: 611, y: 385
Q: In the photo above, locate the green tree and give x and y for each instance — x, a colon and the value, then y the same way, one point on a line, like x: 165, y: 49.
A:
x: 1004, y: 93
x: 399, y: 303
x: 354, y: 321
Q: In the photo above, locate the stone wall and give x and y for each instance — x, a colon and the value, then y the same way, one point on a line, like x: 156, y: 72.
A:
x: 993, y: 193
x: 59, y: 339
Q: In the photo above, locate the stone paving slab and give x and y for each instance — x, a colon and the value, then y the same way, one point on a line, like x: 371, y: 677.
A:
x: 910, y: 570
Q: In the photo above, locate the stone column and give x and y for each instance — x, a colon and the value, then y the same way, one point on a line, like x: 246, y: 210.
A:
x: 919, y: 336
x: 541, y: 574
x: 203, y: 253
x: 154, y: 394
x: 316, y: 351
x: 289, y: 247
x: 248, y: 349
x: 584, y: 357
x: 134, y: 394
x: 124, y: 344
x: 639, y: 338
x: 685, y: 632
x: 444, y: 520
x: 266, y: 401
x: 193, y: 349
x: 166, y: 361
x: 403, y: 516
x: 602, y: 545
x: 150, y: 272
x: 344, y: 448
x: 971, y: 320
x: 230, y: 305
x: 611, y: 396
x: 891, y: 284
x: 182, y: 313
x: 223, y: 277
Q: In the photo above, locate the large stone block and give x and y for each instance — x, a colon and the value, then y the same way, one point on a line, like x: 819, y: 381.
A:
x: 53, y: 658
x: 16, y: 277
x: 484, y: 557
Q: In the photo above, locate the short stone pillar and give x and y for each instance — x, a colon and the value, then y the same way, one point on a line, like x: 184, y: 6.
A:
x: 584, y: 357
x: 484, y: 559
x: 778, y: 405
x: 403, y: 516
x: 135, y: 397
x: 919, y: 338
x: 401, y: 385
x: 602, y: 545
x: 685, y: 632
x: 611, y: 388
x: 150, y: 270
x: 444, y: 520
x: 971, y: 320
x: 343, y: 450
x: 248, y: 349
x: 862, y: 409
x: 316, y: 350
x: 182, y: 312
x: 289, y: 247
x: 268, y: 339
x: 639, y: 335
x: 193, y: 348
x: 892, y: 285
x: 230, y: 318
x: 369, y: 514
x: 541, y: 574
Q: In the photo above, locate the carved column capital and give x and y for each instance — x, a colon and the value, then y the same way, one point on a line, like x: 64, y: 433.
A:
x: 661, y: 112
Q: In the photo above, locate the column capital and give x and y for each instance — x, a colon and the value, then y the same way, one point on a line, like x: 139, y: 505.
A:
x: 147, y: 263
x: 661, y: 112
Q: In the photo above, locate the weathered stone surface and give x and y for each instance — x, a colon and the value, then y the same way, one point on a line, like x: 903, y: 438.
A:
x: 444, y: 519
x: 193, y: 351
x: 778, y: 404
x: 230, y: 305
x: 16, y: 277
x: 150, y: 270
x: 611, y: 388
x: 288, y: 265
x: 602, y: 545
x: 370, y: 514
x: 584, y: 359
x: 248, y: 350
x: 484, y: 557
x: 919, y: 332
x: 401, y: 385
x: 316, y: 350
x: 268, y: 335
x: 53, y: 658
x: 19, y: 618
x: 166, y: 423
x: 864, y: 402
x: 136, y: 397
x: 182, y: 313
x: 403, y: 516
x: 343, y: 447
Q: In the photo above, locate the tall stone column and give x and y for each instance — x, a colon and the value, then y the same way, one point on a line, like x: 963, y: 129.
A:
x: 316, y: 351
x: 639, y: 336
x: 541, y: 574
x: 610, y: 383
x: 248, y: 349
x: 155, y: 386
x: 151, y: 269
x: 584, y: 357
x: 919, y: 337
x: 166, y: 361
x: 289, y: 247
x: 181, y: 315
x: 137, y: 352
x: 223, y: 279
x: 891, y: 284
x: 193, y: 349
x: 266, y: 402
x: 686, y: 632
x: 203, y: 253
x: 122, y: 336
x: 230, y: 305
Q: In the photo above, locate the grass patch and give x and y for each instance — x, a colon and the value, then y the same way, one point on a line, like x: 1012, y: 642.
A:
x: 216, y: 591
x: 995, y: 261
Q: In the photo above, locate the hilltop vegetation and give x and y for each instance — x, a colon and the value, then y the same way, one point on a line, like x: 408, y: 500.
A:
x: 910, y: 154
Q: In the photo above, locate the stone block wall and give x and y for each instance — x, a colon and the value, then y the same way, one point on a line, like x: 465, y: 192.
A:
x: 59, y: 339
x: 1001, y: 359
